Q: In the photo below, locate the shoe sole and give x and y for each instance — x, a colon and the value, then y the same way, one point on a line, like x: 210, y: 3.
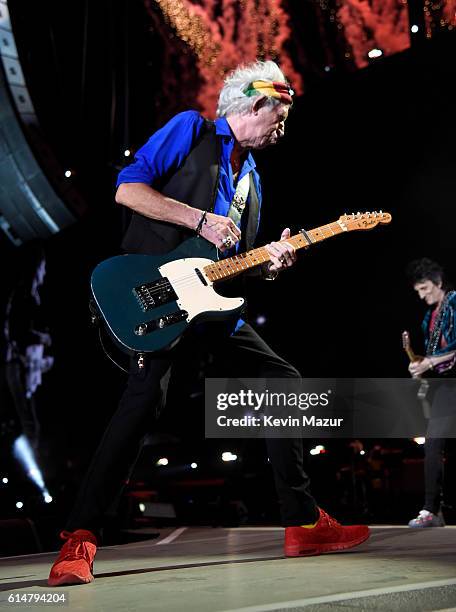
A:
x: 298, y: 551
x: 69, y: 579
x: 425, y: 526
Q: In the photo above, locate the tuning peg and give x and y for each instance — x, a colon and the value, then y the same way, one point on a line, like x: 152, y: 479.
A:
x: 381, y: 212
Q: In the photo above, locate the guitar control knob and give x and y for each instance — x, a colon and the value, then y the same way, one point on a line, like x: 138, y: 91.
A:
x: 141, y: 329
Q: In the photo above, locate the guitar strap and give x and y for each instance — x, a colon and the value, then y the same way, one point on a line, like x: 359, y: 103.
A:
x: 239, y: 202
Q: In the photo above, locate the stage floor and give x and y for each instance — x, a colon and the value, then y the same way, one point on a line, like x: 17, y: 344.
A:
x: 205, y: 569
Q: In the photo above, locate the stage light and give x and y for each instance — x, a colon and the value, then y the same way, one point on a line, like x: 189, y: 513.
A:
x: 19, y: 505
x: 25, y: 455
x: 260, y: 320
x: 373, y: 53
x: 163, y: 461
x: 68, y: 173
x: 47, y: 498
x: 318, y: 450
x: 127, y: 153
x: 193, y: 465
x: 5, y: 480
x: 327, y: 68
x: 419, y: 440
x: 414, y: 29
x: 362, y: 452
x: 228, y: 456
x: 142, y: 507
x: 35, y: 475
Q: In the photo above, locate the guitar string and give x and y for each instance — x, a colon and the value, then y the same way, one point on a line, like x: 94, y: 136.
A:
x: 191, y: 279
x: 236, y: 265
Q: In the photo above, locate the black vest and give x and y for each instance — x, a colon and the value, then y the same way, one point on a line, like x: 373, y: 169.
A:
x: 195, y: 183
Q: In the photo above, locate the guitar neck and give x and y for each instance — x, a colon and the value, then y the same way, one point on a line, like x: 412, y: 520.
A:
x: 413, y: 357
x: 226, y: 268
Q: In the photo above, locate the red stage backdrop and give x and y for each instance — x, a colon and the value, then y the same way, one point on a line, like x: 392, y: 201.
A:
x: 209, y: 38
x: 378, y: 24
x: 204, y: 39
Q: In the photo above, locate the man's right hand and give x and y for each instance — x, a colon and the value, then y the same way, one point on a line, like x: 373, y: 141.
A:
x: 416, y: 368
x: 221, y: 231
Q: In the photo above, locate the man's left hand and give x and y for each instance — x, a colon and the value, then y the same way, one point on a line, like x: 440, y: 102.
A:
x: 283, y: 254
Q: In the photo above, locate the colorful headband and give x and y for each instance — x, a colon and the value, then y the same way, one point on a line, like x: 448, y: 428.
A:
x: 275, y: 89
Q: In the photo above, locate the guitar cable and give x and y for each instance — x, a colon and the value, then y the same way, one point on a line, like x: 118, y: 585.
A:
x: 108, y: 355
x: 95, y: 320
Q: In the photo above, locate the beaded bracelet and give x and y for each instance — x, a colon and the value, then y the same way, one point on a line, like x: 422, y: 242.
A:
x: 202, y: 220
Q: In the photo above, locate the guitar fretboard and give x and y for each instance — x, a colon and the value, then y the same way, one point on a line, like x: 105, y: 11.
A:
x: 225, y: 268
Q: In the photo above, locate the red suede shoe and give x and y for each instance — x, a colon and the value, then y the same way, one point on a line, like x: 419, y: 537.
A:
x: 75, y: 562
x: 327, y: 536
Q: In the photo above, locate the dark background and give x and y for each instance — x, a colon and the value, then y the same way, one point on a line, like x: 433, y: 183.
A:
x: 381, y: 138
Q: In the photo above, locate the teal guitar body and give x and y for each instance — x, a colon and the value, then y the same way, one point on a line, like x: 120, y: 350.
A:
x: 147, y: 302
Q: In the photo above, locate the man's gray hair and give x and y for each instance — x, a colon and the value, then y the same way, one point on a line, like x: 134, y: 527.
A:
x: 232, y: 100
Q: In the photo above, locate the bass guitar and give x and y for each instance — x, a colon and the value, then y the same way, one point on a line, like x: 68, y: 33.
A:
x: 147, y: 302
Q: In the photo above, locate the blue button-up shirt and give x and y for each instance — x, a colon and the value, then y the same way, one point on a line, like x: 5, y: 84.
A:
x: 166, y: 150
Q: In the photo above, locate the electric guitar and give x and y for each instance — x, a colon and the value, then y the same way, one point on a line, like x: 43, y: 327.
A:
x: 147, y: 302
x: 424, y: 384
x: 407, y: 346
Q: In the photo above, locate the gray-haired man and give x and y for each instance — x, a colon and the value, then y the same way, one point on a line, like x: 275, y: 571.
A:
x: 184, y: 180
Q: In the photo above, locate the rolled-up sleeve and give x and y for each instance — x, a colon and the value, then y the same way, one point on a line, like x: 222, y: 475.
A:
x: 165, y: 151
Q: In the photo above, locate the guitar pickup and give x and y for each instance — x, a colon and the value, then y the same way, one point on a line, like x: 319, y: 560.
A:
x: 170, y: 319
x: 157, y: 293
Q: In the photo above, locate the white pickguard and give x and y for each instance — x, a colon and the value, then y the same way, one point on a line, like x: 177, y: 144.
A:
x: 193, y: 296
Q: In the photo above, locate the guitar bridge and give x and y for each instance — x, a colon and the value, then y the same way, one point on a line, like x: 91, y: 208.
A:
x: 157, y: 293
x: 170, y: 319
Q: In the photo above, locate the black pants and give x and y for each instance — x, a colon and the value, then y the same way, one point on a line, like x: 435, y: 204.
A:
x: 433, y: 473
x: 441, y: 425
x: 244, y: 354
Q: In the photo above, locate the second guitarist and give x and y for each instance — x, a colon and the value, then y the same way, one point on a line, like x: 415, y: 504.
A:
x: 439, y: 329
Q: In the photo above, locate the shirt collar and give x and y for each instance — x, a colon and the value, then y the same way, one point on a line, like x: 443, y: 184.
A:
x: 222, y: 128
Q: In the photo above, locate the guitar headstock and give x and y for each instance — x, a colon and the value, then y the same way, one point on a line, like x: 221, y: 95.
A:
x: 406, y: 341
x: 365, y: 220
x: 407, y: 346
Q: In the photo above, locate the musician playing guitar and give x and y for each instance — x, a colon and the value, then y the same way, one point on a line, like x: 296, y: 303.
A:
x: 198, y: 178
x: 439, y: 328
